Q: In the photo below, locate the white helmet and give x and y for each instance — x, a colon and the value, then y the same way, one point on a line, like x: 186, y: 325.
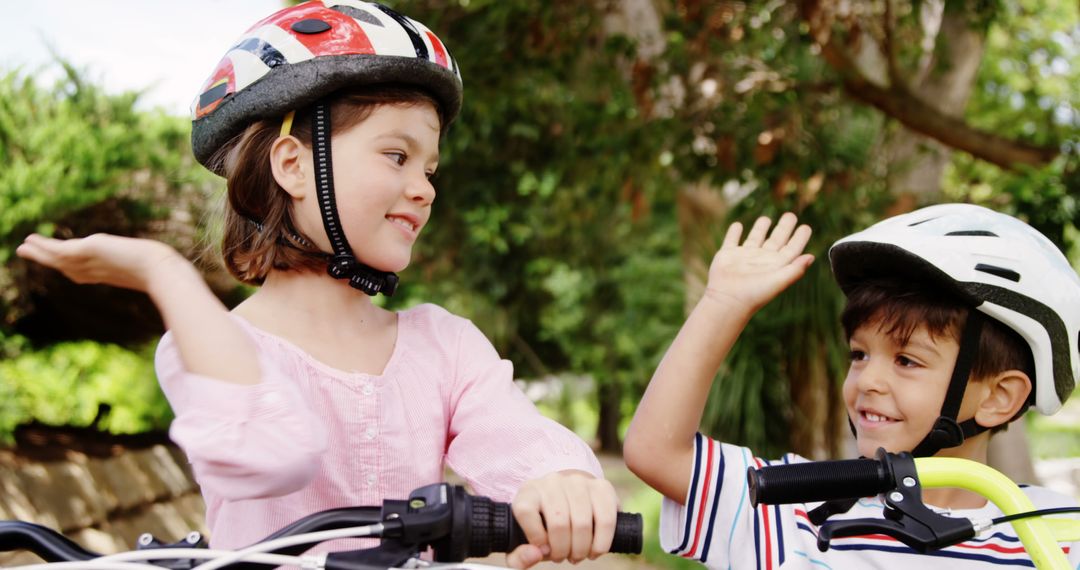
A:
x: 1004, y: 267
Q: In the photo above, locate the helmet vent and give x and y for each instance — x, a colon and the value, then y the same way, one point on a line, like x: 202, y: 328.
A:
x: 213, y: 95
x: 972, y: 233
x: 310, y: 26
x: 913, y: 224
x: 358, y: 14
x: 998, y: 271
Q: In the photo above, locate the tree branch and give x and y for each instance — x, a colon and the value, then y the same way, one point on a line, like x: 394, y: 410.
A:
x: 898, y: 102
x: 895, y: 78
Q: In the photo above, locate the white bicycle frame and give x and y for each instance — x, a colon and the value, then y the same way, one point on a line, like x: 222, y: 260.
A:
x: 138, y: 559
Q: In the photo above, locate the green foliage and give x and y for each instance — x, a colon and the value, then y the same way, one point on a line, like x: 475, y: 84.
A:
x: 558, y: 224
x: 78, y: 160
x: 70, y: 146
x: 66, y: 384
x: 1025, y: 90
x: 552, y: 225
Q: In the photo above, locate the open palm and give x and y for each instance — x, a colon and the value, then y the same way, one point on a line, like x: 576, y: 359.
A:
x: 101, y: 258
x: 763, y: 265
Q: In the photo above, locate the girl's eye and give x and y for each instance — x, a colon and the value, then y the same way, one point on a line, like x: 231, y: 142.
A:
x: 398, y: 157
x: 431, y: 174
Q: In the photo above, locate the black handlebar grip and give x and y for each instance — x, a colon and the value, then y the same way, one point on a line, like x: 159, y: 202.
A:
x: 818, y: 481
x: 627, y: 539
x: 493, y: 528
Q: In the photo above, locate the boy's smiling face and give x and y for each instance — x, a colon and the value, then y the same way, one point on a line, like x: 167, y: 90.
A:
x: 894, y: 390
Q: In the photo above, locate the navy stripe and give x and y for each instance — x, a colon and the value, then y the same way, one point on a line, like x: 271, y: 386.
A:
x: 779, y: 526
x: 779, y: 534
x: 997, y: 535
x: 715, y: 505
x: 262, y: 50
x: 905, y: 548
x: 693, y: 492
x: 410, y: 29
x: 940, y: 553
x: 757, y: 539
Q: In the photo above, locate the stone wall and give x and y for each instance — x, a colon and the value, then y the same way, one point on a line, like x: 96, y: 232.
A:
x: 103, y: 501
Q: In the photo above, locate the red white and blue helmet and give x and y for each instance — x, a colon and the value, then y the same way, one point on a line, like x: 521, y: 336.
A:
x: 1003, y: 267
x: 302, y: 53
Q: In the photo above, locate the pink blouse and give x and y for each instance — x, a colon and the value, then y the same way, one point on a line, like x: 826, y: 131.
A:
x: 310, y: 437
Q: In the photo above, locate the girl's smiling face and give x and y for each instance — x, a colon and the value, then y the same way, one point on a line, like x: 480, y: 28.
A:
x: 894, y: 391
x: 382, y: 168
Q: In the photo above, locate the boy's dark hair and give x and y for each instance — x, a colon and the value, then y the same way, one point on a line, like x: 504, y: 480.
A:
x: 900, y: 308
x: 258, y: 222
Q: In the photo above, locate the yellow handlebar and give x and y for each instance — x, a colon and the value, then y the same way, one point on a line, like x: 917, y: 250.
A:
x: 1038, y: 535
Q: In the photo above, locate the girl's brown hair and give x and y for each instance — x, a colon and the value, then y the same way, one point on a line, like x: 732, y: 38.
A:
x: 258, y: 232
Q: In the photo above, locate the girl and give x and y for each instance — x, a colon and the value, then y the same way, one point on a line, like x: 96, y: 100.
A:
x: 307, y: 396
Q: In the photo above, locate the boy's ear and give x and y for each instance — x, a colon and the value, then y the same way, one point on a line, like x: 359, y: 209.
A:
x: 1005, y: 395
x: 290, y: 169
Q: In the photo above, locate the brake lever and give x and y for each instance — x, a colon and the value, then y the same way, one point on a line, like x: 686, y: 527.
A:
x: 907, y: 519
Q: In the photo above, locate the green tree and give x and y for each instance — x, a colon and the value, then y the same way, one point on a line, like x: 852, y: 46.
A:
x: 77, y: 161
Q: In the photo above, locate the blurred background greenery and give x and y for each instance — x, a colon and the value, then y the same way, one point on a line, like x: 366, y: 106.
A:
x: 603, y: 148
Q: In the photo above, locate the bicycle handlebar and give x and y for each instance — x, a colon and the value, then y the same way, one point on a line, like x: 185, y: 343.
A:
x: 900, y: 479
x: 453, y: 523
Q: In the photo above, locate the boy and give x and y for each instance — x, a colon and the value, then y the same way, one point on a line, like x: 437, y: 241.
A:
x: 958, y: 318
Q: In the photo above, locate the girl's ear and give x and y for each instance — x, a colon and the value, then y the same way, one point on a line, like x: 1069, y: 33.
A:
x: 1005, y: 395
x: 291, y: 165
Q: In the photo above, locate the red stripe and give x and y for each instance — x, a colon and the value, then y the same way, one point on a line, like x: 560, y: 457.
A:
x: 703, y: 499
x: 440, y: 51
x: 766, y: 529
x: 345, y: 36
x: 972, y: 546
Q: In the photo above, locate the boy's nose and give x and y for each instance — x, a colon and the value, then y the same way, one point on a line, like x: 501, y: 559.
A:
x: 872, y: 378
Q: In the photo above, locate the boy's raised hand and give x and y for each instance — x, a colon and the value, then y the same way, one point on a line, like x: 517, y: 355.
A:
x: 750, y: 274
x: 101, y: 258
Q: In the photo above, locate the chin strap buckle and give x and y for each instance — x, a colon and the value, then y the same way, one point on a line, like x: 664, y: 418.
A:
x: 362, y: 277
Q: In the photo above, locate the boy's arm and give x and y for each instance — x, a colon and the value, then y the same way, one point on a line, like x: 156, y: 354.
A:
x: 742, y: 278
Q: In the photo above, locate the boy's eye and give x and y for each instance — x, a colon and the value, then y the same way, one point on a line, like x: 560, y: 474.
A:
x: 857, y: 355
x: 905, y: 361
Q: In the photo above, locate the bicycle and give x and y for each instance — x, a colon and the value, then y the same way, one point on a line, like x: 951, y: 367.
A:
x: 899, y: 478
x: 444, y: 517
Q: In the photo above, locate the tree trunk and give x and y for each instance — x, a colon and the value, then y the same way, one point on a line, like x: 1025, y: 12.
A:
x: 640, y: 21
x: 946, y: 77
x: 917, y: 164
x: 1009, y: 453
x: 607, y: 426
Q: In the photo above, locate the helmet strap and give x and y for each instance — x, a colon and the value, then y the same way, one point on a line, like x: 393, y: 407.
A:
x: 342, y: 264
x: 947, y: 432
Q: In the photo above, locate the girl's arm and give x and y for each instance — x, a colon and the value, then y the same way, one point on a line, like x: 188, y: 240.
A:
x: 659, y: 444
x: 210, y: 342
x: 240, y: 423
x: 507, y: 450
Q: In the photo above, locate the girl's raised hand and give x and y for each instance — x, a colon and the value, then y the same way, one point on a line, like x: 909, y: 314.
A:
x: 566, y: 515
x: 102, y: 258
x: 750, y: 274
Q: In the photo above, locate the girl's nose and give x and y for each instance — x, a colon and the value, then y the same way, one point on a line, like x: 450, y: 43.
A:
x: 420, y: 190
